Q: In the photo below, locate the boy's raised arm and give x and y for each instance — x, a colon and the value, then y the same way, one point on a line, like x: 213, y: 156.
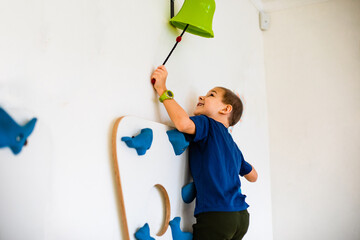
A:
x: 177, y: 114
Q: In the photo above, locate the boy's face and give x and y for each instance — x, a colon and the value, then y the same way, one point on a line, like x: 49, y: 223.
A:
x: 211, y: 104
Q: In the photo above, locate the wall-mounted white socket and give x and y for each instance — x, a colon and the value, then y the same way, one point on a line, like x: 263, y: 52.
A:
x: 264, y: 20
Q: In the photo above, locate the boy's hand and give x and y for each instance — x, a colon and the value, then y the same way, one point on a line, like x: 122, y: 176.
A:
x: 160, y: 75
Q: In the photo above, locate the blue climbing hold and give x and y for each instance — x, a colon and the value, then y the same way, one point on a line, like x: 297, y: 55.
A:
x: 176, y: 232
x: 141, y: 142
x: 178, y: 141
x: 188, y: 192
x: 144, y: 233
x: 13, y: 135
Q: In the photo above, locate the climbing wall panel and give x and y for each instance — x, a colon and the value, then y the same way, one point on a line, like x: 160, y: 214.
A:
x: 138, y: 179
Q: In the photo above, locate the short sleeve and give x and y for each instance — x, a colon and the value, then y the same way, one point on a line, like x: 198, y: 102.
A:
x: 201, y: 127
x: 245, y: 167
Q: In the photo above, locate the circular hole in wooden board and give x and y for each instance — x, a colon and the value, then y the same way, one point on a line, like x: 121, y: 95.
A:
x: 158, y: 210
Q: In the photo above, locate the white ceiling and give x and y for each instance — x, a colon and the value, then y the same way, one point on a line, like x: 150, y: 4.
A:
x: 277, y: 5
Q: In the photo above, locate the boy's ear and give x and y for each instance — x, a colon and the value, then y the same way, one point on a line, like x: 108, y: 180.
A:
x: 227, y: 109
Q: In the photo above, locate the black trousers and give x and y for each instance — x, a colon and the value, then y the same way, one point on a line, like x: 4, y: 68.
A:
x: 221, y: 225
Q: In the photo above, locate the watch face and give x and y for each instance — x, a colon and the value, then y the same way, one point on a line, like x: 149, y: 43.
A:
x: 170, y: 94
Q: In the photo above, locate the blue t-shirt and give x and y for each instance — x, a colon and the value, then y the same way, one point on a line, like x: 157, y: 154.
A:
x: 215, y: 164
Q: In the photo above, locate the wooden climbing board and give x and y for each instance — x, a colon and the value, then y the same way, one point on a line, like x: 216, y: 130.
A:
x: 149, y: 186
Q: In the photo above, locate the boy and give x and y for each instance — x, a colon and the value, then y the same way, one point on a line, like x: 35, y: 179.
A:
x: 215, y: 160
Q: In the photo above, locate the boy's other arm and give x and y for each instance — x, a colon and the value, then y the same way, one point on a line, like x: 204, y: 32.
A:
x: 177, y: 114
x: 252, y: 175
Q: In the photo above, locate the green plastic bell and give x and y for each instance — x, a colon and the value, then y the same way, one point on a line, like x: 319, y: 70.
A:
x: 198, y: 14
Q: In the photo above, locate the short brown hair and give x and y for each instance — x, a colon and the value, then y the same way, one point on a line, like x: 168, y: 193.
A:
x: 231, y: 98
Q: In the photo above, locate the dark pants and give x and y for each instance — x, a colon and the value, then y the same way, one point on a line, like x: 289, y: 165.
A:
x: 221, y: 225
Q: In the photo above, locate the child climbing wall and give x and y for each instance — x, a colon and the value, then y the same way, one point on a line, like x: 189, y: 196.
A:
x: 215, y: 160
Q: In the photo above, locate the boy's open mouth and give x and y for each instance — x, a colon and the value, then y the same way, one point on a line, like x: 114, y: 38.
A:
x: 200, y: 104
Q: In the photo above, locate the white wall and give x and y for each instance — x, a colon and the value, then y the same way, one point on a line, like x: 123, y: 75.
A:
x: 77, y: 66
x: 312, y: 58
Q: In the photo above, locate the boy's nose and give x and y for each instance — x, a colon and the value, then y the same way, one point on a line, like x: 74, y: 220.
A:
x: 201, y: 98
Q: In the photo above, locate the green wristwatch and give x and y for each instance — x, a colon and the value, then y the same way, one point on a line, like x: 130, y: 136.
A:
x: 166, y: 95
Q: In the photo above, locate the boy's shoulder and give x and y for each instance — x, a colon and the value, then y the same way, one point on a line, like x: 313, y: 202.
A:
x: 203, y: 118
x: 207, y: 124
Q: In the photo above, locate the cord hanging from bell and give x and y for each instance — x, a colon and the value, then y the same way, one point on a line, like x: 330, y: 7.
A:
x: 178, y: 39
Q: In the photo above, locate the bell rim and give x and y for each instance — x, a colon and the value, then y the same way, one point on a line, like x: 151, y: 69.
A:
x: 193, y: 29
